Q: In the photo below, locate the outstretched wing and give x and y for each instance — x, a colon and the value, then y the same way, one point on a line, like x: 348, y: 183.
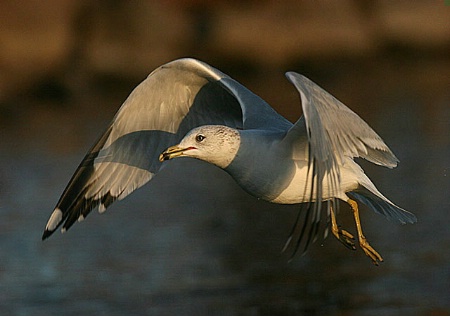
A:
x: 333, y: 132
x: 330, y: 122
x: 174, y: 99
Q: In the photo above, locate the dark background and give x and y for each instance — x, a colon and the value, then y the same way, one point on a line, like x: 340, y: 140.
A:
x: 191, y: 241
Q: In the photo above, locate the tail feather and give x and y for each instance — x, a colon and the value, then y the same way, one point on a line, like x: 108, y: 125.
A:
x: 383, y: 206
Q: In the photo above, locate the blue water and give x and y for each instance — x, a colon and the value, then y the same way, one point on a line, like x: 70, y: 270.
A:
x: 192, y: 242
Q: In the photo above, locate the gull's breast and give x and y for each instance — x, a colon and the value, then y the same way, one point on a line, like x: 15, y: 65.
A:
x: 300, y: 188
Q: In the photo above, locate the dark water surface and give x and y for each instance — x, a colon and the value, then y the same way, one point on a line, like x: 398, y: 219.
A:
x: 192, y: 242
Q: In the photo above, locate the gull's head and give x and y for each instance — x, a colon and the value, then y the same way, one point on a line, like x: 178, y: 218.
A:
x: 214, y: 144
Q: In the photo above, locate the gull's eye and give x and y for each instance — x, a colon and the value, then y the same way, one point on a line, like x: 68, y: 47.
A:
x: 199, y: 137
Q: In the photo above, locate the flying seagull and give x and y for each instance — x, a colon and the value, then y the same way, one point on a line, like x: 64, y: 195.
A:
x: 187, y: 108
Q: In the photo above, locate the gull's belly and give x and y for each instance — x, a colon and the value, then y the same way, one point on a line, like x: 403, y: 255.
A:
x: 300, y: 189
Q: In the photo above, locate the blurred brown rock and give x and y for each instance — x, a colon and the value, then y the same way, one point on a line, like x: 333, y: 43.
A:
x: 74, y: 39
x: 36, y: 40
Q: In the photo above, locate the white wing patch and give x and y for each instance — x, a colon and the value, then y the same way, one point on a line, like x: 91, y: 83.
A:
x: 54, y: 220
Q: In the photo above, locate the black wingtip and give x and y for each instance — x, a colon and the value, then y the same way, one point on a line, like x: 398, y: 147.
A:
x: 46, y: 234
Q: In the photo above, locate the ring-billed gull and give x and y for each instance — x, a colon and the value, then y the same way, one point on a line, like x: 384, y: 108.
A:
x: 215, y: 119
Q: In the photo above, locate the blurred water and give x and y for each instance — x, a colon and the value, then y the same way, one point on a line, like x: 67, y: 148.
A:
x: 192, y: 242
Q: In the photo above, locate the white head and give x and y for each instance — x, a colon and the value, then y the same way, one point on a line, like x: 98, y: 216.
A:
x: 216, y: 144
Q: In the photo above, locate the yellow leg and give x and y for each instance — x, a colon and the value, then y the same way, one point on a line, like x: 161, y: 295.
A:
x: 342, y: 235
x: 368, y: 250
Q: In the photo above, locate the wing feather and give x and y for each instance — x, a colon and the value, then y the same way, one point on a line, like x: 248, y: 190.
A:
x: 171, y: 101
x: 333, y: 132
x: 330, y: 121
